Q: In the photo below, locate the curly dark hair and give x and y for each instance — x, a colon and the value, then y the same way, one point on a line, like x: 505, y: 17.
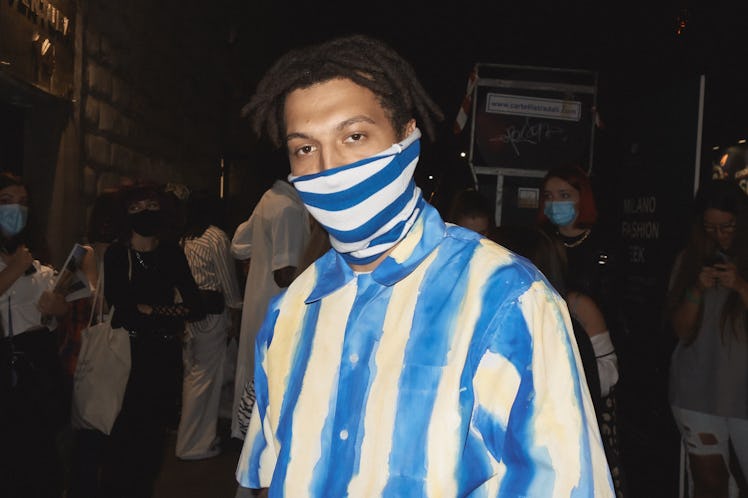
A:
x: 364, y: 60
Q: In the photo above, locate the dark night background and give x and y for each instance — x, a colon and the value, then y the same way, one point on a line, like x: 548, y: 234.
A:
x: 634, y: 47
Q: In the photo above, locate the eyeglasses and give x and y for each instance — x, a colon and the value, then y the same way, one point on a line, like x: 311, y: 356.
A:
x: 724, y: 227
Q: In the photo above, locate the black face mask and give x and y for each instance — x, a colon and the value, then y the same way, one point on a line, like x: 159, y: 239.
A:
x: 147, y: 223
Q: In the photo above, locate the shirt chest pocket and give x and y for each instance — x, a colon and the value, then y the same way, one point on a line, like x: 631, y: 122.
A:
x: 427, y: 423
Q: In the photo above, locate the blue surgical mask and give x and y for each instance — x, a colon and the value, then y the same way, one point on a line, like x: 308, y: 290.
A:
x: 12, y: 218
x: 561, y: 213
x: 367, y: 206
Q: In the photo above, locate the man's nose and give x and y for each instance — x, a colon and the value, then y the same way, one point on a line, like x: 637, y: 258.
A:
x: 330, y: 159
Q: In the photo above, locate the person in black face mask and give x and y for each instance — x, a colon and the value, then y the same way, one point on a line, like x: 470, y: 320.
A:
x: 147, y: 220
x: 148, y: 282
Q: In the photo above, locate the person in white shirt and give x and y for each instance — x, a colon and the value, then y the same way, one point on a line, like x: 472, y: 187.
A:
x: 33, y: 391
x: 206, y: 247
x: 274, y: 238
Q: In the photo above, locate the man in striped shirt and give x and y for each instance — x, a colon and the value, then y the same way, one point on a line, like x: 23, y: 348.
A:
x: 415, y: 358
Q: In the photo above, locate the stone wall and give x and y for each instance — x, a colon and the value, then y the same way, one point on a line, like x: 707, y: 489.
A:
x: 153, y: 91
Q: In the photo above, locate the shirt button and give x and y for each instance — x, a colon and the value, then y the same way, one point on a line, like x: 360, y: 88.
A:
x: 344, y: 434
x: 353, y: 358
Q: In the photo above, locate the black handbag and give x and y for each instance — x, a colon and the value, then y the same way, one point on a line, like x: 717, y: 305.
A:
x: 32, y: 379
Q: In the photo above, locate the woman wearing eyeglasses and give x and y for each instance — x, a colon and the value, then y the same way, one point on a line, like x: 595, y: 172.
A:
x: 706, y: 306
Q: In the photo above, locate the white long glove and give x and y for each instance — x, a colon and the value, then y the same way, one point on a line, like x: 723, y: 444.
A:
x: 607, y: 361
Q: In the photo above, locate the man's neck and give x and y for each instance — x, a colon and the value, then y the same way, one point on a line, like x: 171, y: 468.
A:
x: 369, y: 267
x: 143, y: 244
x: 571, y: 231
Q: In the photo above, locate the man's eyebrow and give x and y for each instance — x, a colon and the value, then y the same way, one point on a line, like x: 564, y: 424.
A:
x: 354, y: 120
x: 340, y: 126
x: 291, y: 136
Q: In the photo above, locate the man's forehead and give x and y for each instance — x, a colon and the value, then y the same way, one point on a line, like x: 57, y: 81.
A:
x: 340, y: 102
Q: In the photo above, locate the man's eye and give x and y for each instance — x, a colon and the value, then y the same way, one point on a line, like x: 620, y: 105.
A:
x: 304, y: 150
x: 355, y: 137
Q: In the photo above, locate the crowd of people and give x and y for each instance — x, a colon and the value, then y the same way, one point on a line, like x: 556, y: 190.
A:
x: 384, y: 348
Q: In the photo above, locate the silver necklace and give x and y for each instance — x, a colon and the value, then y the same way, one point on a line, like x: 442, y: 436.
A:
x: 140, y: 261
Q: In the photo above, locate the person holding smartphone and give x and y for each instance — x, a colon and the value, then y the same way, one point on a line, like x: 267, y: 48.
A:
x: 706, y: 307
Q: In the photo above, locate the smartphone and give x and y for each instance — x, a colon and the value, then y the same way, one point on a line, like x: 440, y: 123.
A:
x: 716, y: 258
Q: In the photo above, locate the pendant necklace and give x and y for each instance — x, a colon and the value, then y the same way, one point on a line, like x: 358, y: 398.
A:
x: 580, y: 240
x: 139, y: 258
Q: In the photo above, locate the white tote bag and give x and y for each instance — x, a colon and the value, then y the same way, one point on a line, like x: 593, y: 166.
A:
x: 102, y: 370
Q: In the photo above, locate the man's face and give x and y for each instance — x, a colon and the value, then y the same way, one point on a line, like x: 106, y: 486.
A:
x: 335, y: 123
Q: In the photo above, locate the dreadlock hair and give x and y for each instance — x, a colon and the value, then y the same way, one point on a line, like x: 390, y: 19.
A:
x: 365, y: 61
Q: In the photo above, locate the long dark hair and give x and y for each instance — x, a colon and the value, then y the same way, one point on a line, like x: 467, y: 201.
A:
x: 105, y: 219
x: 544, y: 250
x: 723, y: 195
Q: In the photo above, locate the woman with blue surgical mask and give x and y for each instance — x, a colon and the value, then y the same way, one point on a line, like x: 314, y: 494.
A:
x: 33, y: 390
x: 568, y: 211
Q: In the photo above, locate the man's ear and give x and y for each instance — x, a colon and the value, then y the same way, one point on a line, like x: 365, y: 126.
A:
x: 410, y: 127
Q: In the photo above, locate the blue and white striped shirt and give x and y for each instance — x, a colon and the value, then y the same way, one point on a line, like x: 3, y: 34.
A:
x: 449, y: 371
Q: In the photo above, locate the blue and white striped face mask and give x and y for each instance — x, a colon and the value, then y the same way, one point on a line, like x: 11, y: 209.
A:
x: 367, y: 206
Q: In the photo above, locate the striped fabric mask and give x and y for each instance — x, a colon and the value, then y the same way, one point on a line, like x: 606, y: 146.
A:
x: 367, y: 206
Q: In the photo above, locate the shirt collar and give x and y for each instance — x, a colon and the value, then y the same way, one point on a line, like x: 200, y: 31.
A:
x: 424, y: 236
